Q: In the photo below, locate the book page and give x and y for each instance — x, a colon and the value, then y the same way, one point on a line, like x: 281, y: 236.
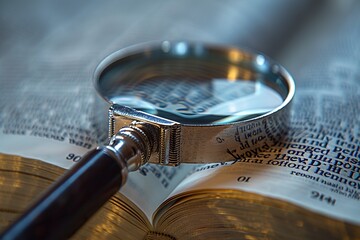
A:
x: 49, y: 51
x: 317, y: 164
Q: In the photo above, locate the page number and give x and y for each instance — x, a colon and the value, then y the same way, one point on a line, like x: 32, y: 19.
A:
x: 323, y: 198
x: 73, y: 157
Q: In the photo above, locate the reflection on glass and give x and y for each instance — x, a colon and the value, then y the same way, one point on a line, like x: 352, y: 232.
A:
x: 203, y: 89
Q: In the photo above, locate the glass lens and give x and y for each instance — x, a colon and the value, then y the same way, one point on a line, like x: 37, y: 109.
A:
x: 190, y: 89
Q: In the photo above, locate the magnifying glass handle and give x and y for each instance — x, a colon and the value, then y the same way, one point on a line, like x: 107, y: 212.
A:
x: 71, y: 200
x: 78, y: 194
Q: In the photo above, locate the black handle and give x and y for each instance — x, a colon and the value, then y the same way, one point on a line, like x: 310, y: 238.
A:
x: 71, y: 200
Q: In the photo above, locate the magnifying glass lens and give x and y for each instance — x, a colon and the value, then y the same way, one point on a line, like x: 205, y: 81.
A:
x: 192, y: 88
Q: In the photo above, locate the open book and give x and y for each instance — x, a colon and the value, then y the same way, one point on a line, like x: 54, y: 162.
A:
x: 305, y: 187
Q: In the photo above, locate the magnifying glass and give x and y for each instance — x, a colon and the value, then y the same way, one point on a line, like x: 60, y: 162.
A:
x: 170, y: 103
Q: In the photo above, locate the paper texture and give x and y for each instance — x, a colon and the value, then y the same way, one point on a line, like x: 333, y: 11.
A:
x: 49, y: 50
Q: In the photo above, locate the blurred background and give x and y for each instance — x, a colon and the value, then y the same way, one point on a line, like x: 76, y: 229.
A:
x: 49, y: 49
